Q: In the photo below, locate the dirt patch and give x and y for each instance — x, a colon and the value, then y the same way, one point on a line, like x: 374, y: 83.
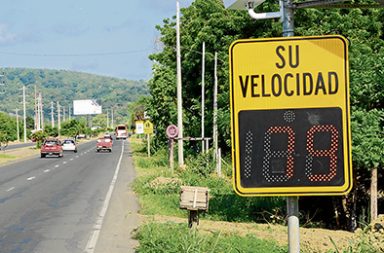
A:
x: 311, y: 239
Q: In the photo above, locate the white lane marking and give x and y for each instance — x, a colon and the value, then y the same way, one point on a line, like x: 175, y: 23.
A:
x: 45, y: 171
x: 91, y: 245
x: 30, y: 178
x: 11, y: 189
x: 57, y: 166
x: 64, y: 162
x: 71, y: 159
x: 77, y: 156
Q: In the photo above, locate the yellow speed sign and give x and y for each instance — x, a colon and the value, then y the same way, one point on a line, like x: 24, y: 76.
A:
x: 290, y: 116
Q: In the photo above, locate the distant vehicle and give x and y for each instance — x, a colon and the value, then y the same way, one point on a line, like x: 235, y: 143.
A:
x: 69, y: 145
x: 104, y: 144
x: 121, y: 132
x: 51, y: 147
x: 81, y: 136
x: 109, y: 136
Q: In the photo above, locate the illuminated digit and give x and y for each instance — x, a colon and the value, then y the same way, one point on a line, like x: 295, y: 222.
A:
x: 331, y: 153
x: 267, y: 173
x: 248, y: 152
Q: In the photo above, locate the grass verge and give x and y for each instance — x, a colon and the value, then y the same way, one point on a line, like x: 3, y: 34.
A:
x: 175, y: 238
x: 229, y: 226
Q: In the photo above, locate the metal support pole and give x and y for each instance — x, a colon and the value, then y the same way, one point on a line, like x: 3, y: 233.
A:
x: 293, y: 225
x: 179, y: 91
x: 17, y: 125
x: 58, y: 118
x: 149, y: 145
x: 107, y: 119
x: 24, y: 117
x: 52, y: 116
x: 203, y: 98
x: 215, y: 133
x: 112, y: 118
x: 292, y: 202
x: 171, y: 143
x: 69, y: 112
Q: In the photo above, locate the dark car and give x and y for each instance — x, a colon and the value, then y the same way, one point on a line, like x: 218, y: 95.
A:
x: 51, y: 147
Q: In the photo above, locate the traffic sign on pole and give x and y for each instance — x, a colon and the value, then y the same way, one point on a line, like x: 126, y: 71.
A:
x: 290, y: 116
x: 148, y: 127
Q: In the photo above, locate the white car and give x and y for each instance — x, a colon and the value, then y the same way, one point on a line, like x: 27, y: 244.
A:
x: 69, y: 145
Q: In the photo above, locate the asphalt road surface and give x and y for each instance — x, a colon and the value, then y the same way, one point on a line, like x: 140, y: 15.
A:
x: 20, y: 145
x: 51, y: 205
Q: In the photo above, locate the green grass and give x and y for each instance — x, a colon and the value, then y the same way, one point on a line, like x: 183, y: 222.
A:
x: 224, y: 204
x: 176, y: 238
x: 5, y: 156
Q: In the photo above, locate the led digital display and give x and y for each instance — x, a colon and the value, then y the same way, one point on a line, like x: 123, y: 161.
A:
x: 291, y: 147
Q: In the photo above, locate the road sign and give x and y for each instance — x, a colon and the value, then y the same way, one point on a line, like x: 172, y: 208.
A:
x: 139, y: 127
x: 290, y: 116
x: 172, y: 131
x: 148, y: 127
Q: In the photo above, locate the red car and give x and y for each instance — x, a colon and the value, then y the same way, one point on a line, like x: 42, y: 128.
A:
x: 104, y: 144
x: 51, y: 147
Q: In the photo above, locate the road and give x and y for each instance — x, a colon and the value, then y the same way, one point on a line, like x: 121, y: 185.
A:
x: 52, y: 204
x: 20, y: 145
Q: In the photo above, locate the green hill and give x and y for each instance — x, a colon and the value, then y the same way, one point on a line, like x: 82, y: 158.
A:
x: 66, y: 86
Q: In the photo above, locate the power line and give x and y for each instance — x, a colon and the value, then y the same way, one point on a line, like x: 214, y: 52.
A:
x: 77, y: 55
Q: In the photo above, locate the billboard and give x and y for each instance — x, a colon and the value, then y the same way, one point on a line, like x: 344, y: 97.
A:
x: 86, y: 107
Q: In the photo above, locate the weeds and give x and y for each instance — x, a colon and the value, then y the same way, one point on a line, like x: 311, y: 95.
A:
x: 181, y: 239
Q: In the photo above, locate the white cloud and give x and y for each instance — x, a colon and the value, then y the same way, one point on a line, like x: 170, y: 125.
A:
x: 6, y: 36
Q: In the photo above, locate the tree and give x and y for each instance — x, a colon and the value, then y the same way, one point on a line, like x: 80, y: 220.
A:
x: 74, y: 127
x: 368, y: 148
x: 38, y: 137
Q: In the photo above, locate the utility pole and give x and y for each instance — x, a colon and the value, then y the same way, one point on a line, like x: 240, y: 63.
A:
x: 69, y: 112
x: 112, y: 118
x: 52, y: 116
x: 17, y: 125
x: 215, y: 134
x: 203, y: 98
x: 179, y: 91
x: 24, y: 116
x: 107, y: 119
x: 63, y: 113
x: 41, y: 111
x: 58, y: 118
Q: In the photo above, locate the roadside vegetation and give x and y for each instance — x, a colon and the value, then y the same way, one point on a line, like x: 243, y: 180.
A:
x: 208, y: 21
x: 232, y: 223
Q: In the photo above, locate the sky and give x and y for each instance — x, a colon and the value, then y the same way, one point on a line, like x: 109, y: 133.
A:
x: 111, y: 38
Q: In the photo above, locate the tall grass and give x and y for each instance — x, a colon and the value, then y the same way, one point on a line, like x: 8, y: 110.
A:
x: 178, y: 238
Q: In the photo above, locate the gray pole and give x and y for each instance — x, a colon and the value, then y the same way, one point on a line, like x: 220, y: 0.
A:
x: 52, y: 116
x: 58, y: 118
x: 41, y: 111
x: 63, y: 113
x: 112, y: 118
x: 203, y: 99
x: 215, y: 133
x: 179, y: 91
x: 24, y: 116
x: 107, y: 119
x: 292, y: 202
x: 17, y: 125
x: 38, y: 118
x: 69, y: 112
